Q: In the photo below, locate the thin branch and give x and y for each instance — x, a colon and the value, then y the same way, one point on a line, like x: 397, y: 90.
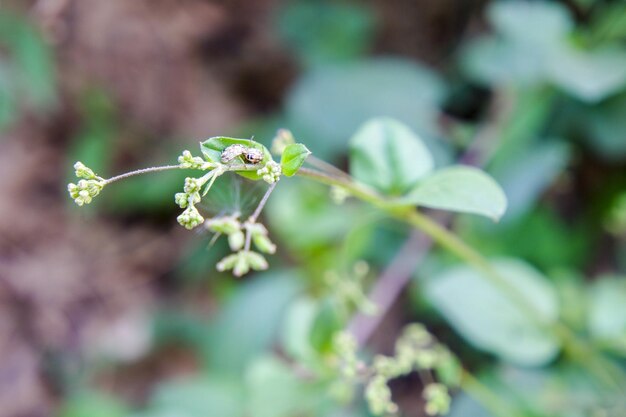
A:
x: 389, y: 285
x: 259, y: 208
x: 257, y: 212
x: 140, y: 172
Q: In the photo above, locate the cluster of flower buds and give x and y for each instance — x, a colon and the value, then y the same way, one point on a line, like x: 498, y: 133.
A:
x: 270, y: 172
x: 348, y: 289
x: 378, y: 396
x: 437, y: 399
x: 229, y: 226
x: 345, y: 346
x: 188, y: 161
x: 259, y: 236
x: 415, y: 350
x: 245, y: 259
x: 190, y: 218
x: 242, y: 261
x: 88, y: 187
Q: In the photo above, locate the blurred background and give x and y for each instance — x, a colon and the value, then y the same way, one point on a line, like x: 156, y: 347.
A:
x: 115, y: 310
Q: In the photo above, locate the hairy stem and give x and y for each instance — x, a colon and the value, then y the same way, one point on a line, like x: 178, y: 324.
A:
x: 140, y: 172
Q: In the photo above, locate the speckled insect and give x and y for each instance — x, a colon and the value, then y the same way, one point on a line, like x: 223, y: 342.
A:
x: 250, y: 155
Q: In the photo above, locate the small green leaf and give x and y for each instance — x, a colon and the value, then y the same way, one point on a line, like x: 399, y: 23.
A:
x: 293, y: 157
x: 607, y: 316
x: 489, y: 319
x: 212, y: 149
x: 461, y: 188
x: 387, y: 155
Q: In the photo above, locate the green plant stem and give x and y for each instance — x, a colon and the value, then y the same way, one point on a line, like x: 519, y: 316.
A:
x: 257, y: 212
x: 226, y: 168
x: 573, y: 346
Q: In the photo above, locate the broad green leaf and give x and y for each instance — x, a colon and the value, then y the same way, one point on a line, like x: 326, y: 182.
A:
x: 326, y: 32
x: 387, y: 155
x: 488, y: 317
x: 607, y: 312
x: 276, y: 391
x: 531, y: 22
x: 329, y: 103
x: 590, y: 76
x: 212, y: 149
x: 461, y: 188
x: 249, y: 322
x: 293, y: 157
x: 199, y: 397
x: 523, y: 186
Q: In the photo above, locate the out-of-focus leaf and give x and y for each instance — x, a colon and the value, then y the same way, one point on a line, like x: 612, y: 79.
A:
x: 296, y: 335
x: 496, y: 61
x: 590, y: 76
x: 326, y: 32
x: 529, y: 174
x: 604, y: 125
x: 325, y: 325
x: 387, y: 155
x: 462, y: 189
x: 533, y: 48
x: 275, y: 391
x: 523, y: 392
x: 531, y: 22
x: 247, y: 325
x: 325, y: 223
x: 293, y: 157
x: 30, y: 61
x: 198, y: 397
x: 329, y: 103
x: 92, y: 404
x: 607, y: 312
x: 487, y: 316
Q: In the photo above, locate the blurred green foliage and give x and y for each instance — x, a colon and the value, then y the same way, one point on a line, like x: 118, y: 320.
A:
x: 555, y: 104
x: 27, y: 70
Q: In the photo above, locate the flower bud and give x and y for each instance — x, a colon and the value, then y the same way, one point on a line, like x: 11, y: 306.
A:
x: 256, y: 261
x: 236, y: 240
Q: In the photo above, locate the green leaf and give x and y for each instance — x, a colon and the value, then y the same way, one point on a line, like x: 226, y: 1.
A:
x: 296, y: 335
x: 275, y: 390
x: 387, y: 155
x: 212, y: 149
x: 330, y: 102
x: 247, y: 325
x: 293, y: 157
x: 92, y: 404
x: 199, y: 397
x: 490, y: 320
x: 607, y: 315
x: 461, y: 188
x: 524, y: 186
x: 590, y: 76
x: 326, y: 32
x: 551, y: 22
